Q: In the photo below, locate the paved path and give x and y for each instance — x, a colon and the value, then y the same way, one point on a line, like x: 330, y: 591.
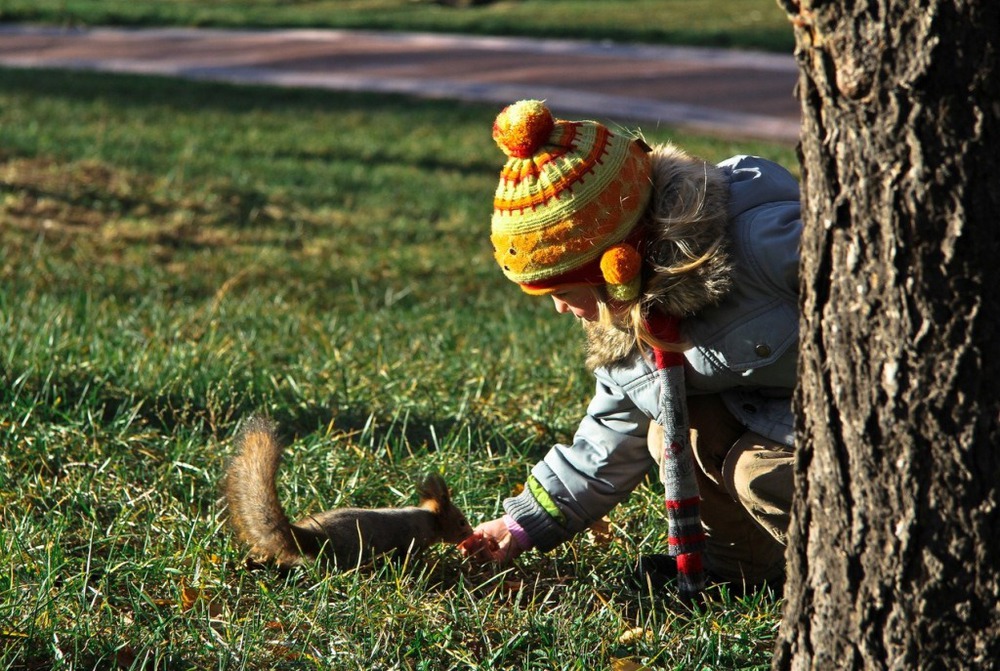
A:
x: 738, y: 94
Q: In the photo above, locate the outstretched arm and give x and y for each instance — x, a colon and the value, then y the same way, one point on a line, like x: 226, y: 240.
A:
x: 574, y: 485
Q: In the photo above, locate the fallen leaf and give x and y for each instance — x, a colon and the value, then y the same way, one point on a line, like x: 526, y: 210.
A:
x: 633, y: 635
x: 125, y: 657
x: 189, y: 596
x: 626, y: 664
x: 600, y: 531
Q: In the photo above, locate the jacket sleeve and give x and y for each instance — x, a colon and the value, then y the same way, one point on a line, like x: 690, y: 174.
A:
x: 573, y: 486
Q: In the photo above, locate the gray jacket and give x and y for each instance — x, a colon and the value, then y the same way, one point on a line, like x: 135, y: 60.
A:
x: 745, y: 350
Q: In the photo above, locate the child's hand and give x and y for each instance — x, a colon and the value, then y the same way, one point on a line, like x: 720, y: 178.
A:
x: 491, y: 541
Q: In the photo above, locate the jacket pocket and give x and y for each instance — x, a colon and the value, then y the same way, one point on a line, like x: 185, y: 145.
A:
x: 757, y: 340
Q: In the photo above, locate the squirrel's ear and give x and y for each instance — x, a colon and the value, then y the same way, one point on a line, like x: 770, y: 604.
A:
x: 433, y: 488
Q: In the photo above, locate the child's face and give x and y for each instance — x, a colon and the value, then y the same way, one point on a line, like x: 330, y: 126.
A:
x: 580, y: 301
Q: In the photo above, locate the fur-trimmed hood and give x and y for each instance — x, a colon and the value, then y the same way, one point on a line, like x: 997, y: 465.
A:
x: 686, y: 248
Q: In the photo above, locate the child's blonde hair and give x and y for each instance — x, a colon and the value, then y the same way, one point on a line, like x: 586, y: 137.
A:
x: 685, y: 249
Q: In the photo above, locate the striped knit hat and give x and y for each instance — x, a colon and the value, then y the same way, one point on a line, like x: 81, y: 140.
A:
x: 569, y: 199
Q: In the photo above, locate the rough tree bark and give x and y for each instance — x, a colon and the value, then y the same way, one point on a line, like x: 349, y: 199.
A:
x: 894, y: 551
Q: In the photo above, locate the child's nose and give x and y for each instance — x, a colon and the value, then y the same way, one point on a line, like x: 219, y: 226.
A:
x: 562, y: 307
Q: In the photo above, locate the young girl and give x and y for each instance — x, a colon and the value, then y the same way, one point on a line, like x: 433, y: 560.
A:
x: 684, y: 276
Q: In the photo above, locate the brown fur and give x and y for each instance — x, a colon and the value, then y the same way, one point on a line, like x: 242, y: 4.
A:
x: 345, y: 536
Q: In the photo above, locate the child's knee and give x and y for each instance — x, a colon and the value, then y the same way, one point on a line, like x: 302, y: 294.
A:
x: 759, y: 474
x: 757, y: 467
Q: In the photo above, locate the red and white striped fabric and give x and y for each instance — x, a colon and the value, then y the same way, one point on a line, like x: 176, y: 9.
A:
x: 677, y: 468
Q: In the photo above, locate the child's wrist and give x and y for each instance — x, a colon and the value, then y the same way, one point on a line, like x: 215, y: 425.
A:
x: 520, y: 536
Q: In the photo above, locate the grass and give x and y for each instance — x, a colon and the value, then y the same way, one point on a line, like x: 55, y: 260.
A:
x: 746, y: 24
x: 177, y: 255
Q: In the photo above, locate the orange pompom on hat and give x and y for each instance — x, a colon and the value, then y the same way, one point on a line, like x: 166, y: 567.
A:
x: 569, y: 199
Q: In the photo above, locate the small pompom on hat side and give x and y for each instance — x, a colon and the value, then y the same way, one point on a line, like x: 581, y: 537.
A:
x: 569, y: 192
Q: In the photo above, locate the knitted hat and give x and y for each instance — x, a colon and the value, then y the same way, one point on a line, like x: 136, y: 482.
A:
x: 569, y: 199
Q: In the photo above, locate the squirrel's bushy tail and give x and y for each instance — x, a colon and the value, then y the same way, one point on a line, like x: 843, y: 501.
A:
x: 249, y: 487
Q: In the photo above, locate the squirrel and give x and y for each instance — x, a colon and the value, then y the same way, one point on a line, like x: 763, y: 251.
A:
x: 345, y: 537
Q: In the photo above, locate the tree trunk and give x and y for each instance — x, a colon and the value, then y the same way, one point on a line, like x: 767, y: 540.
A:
x: 894, y: 550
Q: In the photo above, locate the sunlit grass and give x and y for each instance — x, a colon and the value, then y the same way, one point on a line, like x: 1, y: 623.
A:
x: 177, y: 255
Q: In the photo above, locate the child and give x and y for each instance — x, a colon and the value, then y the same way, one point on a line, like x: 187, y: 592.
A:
x: 685, y: 278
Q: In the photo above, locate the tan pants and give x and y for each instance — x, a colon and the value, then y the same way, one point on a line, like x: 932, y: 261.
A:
x: 746, y: 492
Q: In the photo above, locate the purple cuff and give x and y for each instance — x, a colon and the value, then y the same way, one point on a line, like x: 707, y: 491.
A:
x: 517, y: 531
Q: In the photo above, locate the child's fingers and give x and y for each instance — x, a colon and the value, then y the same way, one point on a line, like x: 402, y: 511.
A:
x: 475, y: 546
x: 470, y: 544
x: 482, y: 547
